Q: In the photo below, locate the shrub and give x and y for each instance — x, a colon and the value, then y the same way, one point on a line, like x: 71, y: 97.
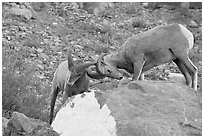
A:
x: 99, y: 48
x: 133, y: 8
x: 39, y: 6
x: 138, y: 22
x: 22, y: 91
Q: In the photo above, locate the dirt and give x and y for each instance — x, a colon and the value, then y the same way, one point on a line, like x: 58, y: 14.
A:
x: 35, y: 45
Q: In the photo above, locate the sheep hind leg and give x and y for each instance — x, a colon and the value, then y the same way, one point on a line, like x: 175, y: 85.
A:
x: 190, y: 66
x: 184, y: 71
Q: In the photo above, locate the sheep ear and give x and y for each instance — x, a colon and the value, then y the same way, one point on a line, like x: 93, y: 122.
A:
x: 70, y: 60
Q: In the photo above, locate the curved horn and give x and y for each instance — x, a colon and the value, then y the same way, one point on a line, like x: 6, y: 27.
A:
x: 99, y: 67
x: 94, y: 74
x: 84, y: 66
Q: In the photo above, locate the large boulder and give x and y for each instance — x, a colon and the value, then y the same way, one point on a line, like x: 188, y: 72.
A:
x: 21, y: 125
x: 138, y: 108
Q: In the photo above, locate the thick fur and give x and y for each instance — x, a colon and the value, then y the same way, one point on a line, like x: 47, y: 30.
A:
x: 157, y: 46
x: 70, y: 79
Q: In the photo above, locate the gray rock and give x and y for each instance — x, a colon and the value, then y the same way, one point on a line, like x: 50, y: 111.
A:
x: 39, y: 50
x: 140, y: 108
x: 4, y: 125
x: 40, y: 67
x: 43, y: 56
x: 95, y: 7
x: 22, y: 12
x: 177, y: 78
x: 193, y: 24
x: 19, y: 124
x: 45, y: 131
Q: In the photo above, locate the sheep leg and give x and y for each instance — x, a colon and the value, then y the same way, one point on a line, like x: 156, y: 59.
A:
x: 138, y: 65
x: 184, y: 71
x: 190, y: 66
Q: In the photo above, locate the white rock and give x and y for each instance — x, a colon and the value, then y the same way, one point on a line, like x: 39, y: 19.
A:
x: 193, y: 24
x: 176, y: 78
x: 83, y: 116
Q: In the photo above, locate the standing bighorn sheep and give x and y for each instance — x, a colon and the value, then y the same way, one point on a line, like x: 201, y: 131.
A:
x: 157, y: 46
x: 71, y: 80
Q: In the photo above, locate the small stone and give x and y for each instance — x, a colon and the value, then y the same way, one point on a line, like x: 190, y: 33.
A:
x: 78, y: 46
x: 33, y: 55
x: 54, y: 24
x: 200, y: 30
x: 54, y: 48
x: 4, y: 122
x: 43, y: 56
x: 40, y: 67
x: 40, y: 50
x: 176, y: 78
x: 193, y: 24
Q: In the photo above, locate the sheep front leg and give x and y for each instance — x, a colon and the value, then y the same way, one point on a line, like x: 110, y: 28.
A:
x: 67, y: 93
x: 138, y: 65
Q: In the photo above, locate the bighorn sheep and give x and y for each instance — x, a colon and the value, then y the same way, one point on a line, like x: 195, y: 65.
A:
x: 71, y: 80
x: 152, y: 48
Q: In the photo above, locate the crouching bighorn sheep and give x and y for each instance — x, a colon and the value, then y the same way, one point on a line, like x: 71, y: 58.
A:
x: 71, y: 80
x: 152, y: 48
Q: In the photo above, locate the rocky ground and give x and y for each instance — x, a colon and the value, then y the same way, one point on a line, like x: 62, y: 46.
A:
x: 35, y: 38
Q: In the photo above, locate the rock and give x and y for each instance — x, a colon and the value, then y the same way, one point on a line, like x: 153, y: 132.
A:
x: 4, y: 125
x: 4, y: 122
x: 40, y: 67
x: 39, y: 50
x: 123, y: 82
x: 43, y: 56
x: 193, y: 24
x: 74, y: 5
x: 19, y: 124
x: 95, y: 7
x: 177, y: 78
x: 86, y: 118
x: 22, y: 123
x: 78, y: 46
x: 145, y: 4
x: 45, y: 131
x: 140, y: 108
x: 32, y: 43
x: 22, y: 12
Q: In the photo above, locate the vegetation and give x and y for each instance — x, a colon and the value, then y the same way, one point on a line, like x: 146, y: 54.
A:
x: 34, y: 43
